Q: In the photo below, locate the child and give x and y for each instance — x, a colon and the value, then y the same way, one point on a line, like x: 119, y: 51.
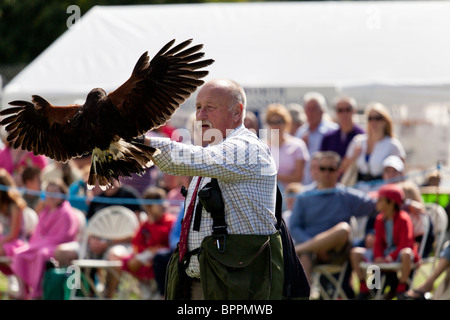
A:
x: 152, y: 236
x: 394, y: 241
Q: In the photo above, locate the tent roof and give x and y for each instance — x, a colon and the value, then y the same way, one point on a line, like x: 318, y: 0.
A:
x: 279, y: 44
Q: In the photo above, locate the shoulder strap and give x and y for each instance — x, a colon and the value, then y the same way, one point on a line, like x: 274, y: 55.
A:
x: 278, y: 207
x: 219, y: 223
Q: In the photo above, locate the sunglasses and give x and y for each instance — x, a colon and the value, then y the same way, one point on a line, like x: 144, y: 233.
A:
x: 344, y: 110
x: 329, y: 169
x: 375, y: 118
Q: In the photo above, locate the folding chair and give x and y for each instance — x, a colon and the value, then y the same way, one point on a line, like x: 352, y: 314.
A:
x: 113, y: 222
x: 439, y: 221
x: 333, y: 273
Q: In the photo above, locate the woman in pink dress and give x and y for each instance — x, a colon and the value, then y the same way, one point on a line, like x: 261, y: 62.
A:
x: 57, y: 224
x: 12, y: 233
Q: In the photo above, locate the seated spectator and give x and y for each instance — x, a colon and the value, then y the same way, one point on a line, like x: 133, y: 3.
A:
x: 290, y: 152
x: 57, y: 224
x: 394, y: 240
x: 339, y: 139
x: 151, y: 238
x: 316, y: 126
x: 313, y: 170
x: 393, y: 172
x: 12, y: 233
x: 367, y: 151
x: 320, y: 217
x: 31, y: 181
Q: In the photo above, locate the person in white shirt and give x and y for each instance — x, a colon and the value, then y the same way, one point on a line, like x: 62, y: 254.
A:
x: 367, y: 151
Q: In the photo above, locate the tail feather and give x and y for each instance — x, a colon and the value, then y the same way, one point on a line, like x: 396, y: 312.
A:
x: 120, y: 160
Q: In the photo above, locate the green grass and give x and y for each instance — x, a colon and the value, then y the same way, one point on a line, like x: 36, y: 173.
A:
x: 420, y: 276
x: 3, y: 286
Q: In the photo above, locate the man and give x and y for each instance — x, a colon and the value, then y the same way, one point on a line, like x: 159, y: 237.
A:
x: 315, y: 128
x: 245, y: 171
x: 339, y: 139
x: 320, y: 217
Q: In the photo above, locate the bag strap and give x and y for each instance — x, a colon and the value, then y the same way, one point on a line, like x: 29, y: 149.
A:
x: 278, y: 207
x: 219, y: 224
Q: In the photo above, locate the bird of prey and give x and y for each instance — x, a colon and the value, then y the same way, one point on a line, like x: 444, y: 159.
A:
x: 107, y: 124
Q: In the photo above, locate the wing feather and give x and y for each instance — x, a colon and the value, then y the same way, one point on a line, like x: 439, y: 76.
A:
x: 157, y: 87
x: 39, y: 127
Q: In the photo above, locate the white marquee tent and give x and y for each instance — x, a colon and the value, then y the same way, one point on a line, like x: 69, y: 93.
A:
x: 394, y: 52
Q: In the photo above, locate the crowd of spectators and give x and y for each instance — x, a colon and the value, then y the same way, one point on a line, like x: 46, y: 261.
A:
x: 330, y: 168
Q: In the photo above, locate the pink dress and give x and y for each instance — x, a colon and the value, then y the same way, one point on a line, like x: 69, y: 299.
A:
x: 55, y: 226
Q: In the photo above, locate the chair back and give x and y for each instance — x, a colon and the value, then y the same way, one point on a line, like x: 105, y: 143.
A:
x: 82, y: 222
x: 113, y: 222
x: 439, y: 219
x: 30, y: 220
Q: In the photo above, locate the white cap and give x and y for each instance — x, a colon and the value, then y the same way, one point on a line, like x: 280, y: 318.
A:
x: 394, y: 162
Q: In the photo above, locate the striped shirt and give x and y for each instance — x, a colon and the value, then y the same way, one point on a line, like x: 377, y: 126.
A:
x: 246, y: 173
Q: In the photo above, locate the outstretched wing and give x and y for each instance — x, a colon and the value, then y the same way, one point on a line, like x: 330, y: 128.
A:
x: 39, y: 127
x: 156, y: 89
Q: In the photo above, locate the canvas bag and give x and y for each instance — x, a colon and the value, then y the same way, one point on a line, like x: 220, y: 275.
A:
x: 265, y: 261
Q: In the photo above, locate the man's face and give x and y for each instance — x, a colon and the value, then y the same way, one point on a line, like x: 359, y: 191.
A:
x: 313, y: 112
x: 215, y: 109
x: 344, y: 112
x: 328, y: 173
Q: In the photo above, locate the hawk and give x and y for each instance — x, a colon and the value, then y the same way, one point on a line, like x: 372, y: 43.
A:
x: 107, y: 123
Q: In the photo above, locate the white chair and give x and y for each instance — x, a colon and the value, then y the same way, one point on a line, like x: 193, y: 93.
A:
x: 111, y: 223
x: 329, y: 271
x: 439, y: 222
x: 82, y: 222
x: 30, y: 220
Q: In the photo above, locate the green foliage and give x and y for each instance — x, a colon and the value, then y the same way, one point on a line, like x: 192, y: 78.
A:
x: 27, y: 27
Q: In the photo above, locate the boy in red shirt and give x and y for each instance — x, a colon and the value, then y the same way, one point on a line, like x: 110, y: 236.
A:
x: 394, y: 240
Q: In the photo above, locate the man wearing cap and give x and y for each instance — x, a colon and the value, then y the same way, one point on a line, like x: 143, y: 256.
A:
x: 394, y: 241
